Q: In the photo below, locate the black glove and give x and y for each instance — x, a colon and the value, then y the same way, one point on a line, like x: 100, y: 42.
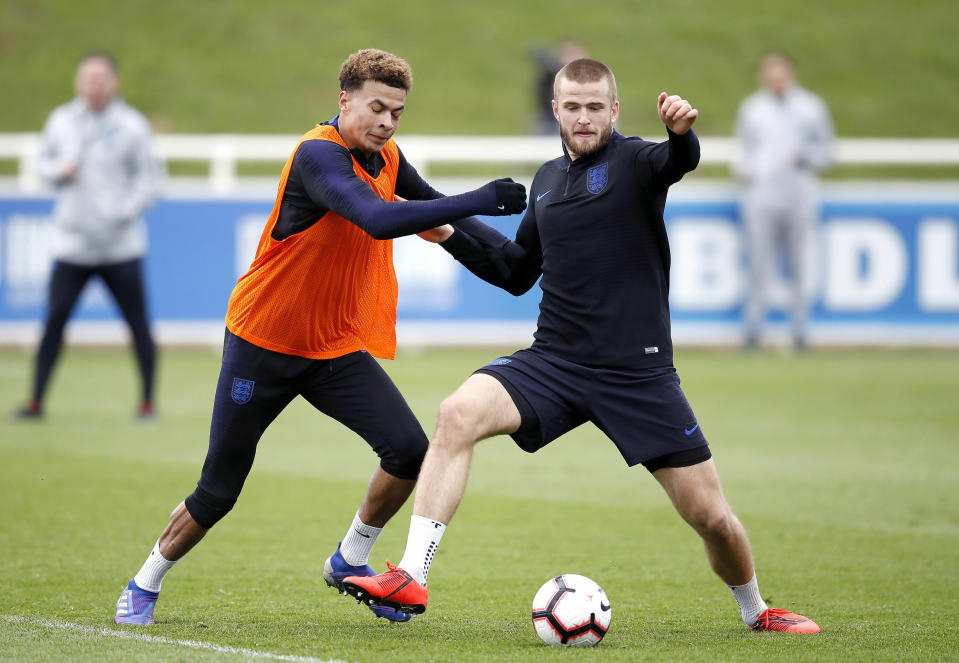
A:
x: 510, y: 196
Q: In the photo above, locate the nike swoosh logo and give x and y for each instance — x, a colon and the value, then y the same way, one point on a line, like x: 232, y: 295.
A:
x: 542, y: 194
x: 501, y: 207
x: 690, y: 431
x: 365, y: 536
x: 604, y: 607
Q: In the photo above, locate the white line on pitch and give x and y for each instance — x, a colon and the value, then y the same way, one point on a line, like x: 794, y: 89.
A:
x: 143, y: 637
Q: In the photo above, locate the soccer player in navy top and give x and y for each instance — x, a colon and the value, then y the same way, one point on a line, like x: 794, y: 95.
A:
x: 602, y: 352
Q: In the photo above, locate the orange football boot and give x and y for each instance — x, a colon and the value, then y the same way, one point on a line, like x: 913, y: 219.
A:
x: 777, y: 619
x: 394, y: 589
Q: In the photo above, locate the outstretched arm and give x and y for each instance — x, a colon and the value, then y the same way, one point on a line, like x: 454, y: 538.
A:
x: 331, y: 183
x: 410, y: 186
x: 512, y: 265
x: 486, y: 252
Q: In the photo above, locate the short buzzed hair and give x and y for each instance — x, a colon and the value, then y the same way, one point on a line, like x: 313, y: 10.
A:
x: 782, y: 56
x: 372, y: 64
x: 100, y: 55
x: 585, y: 70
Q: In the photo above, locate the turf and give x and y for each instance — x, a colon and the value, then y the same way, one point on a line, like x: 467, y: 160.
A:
x: 885, y: 67
x: 842, y: 466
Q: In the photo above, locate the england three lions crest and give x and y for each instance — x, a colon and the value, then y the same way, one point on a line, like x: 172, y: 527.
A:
x: 242, y: 391
x: 597, y: 178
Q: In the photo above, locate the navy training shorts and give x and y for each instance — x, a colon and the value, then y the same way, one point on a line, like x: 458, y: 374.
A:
x: 643, y: 411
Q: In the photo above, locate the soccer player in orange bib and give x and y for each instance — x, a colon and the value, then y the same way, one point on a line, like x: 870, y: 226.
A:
x: 317, y: 304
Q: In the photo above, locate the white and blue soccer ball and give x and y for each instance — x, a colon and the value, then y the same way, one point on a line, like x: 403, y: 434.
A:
x: 571, y: 610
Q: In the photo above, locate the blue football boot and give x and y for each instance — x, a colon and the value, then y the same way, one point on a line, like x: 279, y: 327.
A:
x: 335, y: 569
x: 135, y: 605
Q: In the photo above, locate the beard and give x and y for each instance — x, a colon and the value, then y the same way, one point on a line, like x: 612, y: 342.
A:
x: 581, y: 148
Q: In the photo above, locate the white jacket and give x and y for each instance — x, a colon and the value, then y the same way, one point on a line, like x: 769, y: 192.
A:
x: 784, y: 140
x: 98, y: 216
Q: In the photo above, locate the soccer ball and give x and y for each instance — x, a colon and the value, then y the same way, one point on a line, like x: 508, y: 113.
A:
x: 571, y: 610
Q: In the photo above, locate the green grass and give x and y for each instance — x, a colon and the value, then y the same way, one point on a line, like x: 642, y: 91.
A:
x: 885, y: 67
x: 841, y: 464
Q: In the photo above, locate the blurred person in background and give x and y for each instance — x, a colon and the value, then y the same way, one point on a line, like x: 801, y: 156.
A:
x: 549, y: 61
x: 98, y: 154
x: 786, y: 138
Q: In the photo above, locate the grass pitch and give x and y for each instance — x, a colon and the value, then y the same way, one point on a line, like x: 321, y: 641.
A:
x: 256, y: 67
x: 842, y: 466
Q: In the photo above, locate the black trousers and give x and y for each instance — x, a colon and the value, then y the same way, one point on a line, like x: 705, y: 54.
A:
x: 124, y: 280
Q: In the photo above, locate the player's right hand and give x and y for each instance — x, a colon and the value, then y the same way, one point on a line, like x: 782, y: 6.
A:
x: 510, y: 196
x: 676, y: 113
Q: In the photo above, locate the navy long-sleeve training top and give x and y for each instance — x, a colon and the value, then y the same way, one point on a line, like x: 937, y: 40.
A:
x: 594, y: 230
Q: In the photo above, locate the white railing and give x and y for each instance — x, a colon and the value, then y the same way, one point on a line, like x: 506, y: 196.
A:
x: 223, y: 152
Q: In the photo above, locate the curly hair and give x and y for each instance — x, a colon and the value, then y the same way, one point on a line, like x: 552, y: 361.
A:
x: 585, y: 70
x: 372, y: 64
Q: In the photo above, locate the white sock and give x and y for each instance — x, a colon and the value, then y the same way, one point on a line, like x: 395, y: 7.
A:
x: 750, y: 601
x: 358, y: 542
x: 421, y: 545
x: 150, y: 576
